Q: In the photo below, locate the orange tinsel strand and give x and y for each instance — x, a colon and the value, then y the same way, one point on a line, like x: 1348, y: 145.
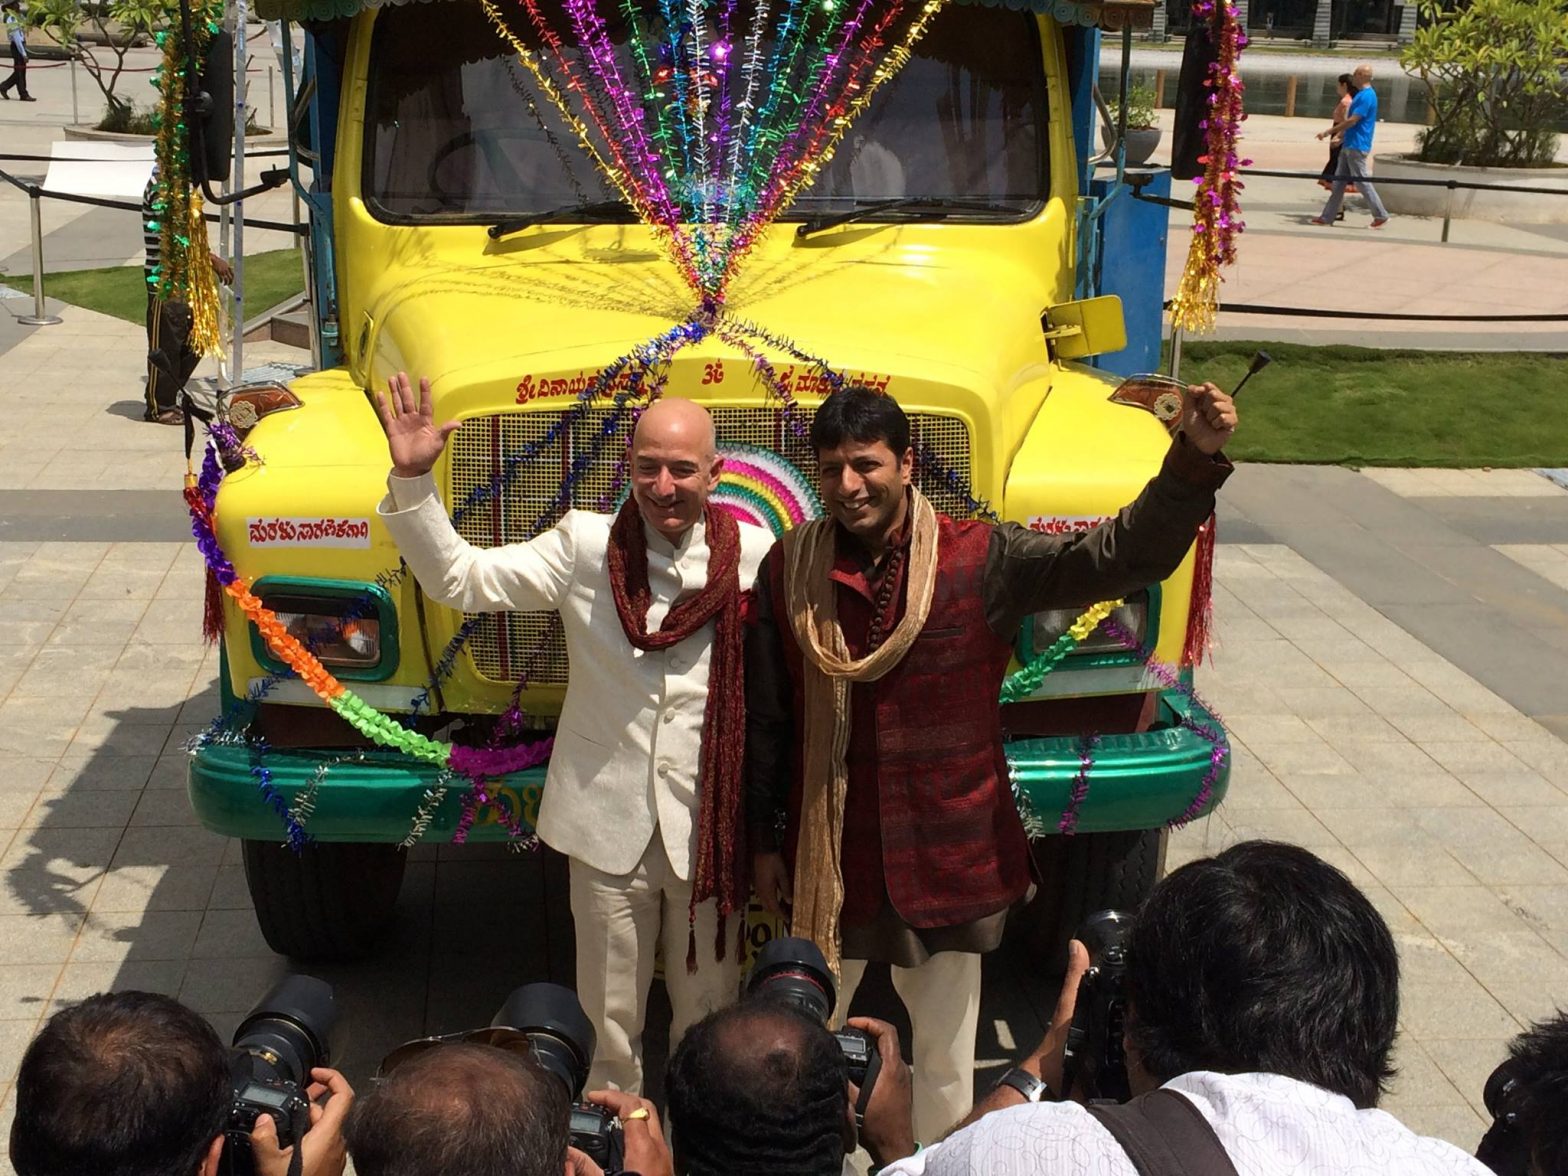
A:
x: 288, y: 649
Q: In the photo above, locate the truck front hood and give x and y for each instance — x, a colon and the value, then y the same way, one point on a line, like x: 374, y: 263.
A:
x: 492, y: 323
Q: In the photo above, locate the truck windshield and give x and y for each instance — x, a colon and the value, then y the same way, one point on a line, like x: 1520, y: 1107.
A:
x: 457, y: 130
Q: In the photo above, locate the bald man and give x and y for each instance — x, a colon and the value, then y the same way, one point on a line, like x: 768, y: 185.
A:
x: 643, y: 791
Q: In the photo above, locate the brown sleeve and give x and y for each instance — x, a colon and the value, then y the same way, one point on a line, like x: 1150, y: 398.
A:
x: 1027, y: 572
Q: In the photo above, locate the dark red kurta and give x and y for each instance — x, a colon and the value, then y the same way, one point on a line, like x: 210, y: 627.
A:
x: 929, y: 819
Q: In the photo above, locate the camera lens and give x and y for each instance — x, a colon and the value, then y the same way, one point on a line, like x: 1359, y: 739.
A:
x: 289, y: 1029
x: 793, y: 971
x: 1106, y: 932
x: 1499, y: 1085
x: 560, y: 1036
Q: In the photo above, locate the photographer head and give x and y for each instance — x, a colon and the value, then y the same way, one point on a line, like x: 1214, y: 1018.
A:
x: 1264, y: 959
x: 461, y: 1108
x: 136, y: 1084
x: 759, y: 1088
x: 1527, y: 1097
x: 128, y: 1083
x: 1261, y: 992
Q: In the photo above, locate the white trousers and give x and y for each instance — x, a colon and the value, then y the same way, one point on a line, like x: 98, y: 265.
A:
x: 621, y: 920
x: 943, y: 999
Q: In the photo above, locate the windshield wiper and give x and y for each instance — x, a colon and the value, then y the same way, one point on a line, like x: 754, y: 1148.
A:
x: 598, y: 210
x: 927, y: 207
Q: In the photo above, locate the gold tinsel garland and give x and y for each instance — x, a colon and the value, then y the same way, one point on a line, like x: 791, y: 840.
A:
x: 184, y: 271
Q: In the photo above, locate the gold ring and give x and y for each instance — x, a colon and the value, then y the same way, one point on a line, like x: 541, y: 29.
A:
x: 639, y: 1113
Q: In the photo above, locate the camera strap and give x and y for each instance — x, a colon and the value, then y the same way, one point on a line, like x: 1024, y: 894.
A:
x: 1164, y: 1134
x: 873, y: 1068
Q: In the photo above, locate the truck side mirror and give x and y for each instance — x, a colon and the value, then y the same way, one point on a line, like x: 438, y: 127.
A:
x: 1090, y: 326
x: 210, y: 114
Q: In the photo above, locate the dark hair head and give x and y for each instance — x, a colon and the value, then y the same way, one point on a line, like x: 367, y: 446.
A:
x: 472, y: 1109
x: 1265, y: 959
x: 859, y: 414
x: 1347, y: 81
x: 123, y: 1084
x: 756, y: 1089
x: 1539, y: 1098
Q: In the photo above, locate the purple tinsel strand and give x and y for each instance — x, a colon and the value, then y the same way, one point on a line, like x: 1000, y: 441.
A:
x: 1080, y: 791
x: 1217, y: 756
x: 481, y: 762
x: 1219, y: 751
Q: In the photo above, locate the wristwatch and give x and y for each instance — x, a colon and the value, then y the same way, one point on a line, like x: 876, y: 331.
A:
x: 1033, y: 1089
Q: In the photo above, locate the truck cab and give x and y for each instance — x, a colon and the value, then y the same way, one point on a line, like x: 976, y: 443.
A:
x: 460, y: 232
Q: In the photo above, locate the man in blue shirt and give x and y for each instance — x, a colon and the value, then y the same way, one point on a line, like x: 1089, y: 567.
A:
x: 1358, y: 125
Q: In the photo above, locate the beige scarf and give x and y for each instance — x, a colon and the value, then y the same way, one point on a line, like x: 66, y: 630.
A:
x: 829, y: 670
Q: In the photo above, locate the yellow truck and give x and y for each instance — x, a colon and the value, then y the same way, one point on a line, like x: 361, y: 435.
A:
x: 459, y: 232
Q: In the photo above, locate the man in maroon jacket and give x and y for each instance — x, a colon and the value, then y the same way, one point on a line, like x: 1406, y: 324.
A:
x: 876, y: 777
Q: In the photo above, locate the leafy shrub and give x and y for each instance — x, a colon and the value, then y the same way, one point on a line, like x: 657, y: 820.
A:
x: 1493, y: 70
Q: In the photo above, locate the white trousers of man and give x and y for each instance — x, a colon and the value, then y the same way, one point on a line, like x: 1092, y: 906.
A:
x: 620, y: 920
x: 943, y: 999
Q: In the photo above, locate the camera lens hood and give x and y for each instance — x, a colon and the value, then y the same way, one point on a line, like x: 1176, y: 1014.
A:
x: 793, y: 970
x: 562, y: 1036
x: 293, y: 1024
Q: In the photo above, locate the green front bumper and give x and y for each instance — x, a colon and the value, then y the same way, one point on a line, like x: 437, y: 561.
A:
x: 1134, y: 782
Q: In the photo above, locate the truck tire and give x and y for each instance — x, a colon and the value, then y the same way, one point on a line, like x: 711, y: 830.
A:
x: 1079, y: 875
x: 330, y: 902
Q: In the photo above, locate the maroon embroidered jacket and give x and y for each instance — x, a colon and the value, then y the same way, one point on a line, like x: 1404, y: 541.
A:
x: 929, y: 819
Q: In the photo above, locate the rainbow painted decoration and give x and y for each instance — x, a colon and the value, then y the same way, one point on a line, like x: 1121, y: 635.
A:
x: 762, y: 488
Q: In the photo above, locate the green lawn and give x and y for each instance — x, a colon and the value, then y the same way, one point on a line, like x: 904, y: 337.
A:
x: 119, y: 290
x: 1362, y: 407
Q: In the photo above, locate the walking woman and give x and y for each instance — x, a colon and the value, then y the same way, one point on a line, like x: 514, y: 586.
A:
x: 1346, y: 90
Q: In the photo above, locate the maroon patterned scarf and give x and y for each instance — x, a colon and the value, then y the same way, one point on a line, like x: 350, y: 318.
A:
x: 719, y: 871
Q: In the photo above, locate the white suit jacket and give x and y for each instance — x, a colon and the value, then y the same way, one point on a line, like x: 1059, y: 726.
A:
x: 628, y: 747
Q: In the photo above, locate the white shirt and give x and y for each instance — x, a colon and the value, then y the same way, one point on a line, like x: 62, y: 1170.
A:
x: 1270, y: 1126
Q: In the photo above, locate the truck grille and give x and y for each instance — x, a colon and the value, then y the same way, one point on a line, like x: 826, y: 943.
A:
x: 506, y: 646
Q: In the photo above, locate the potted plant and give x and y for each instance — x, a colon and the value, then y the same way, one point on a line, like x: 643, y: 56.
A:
x: 1143, y: 132
x: 1493, y: 73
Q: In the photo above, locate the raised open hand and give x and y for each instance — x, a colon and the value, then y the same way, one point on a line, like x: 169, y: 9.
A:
x: 413, y: 438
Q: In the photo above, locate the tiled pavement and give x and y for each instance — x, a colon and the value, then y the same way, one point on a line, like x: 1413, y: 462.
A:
x: 1433, y: 793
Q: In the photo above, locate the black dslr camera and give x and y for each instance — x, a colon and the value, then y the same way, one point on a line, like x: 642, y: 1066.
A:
x: 561, y: 1039
x: 275, y: 1048
x: 1504, y: 1149
x: 1094, y: 1060
x: 793, y: 972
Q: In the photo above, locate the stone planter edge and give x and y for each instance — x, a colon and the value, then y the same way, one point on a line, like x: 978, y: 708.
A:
x: 1468, y: 203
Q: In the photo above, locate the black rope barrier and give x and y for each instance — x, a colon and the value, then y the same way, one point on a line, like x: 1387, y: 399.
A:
x: 99, y: 202
x: 1388, y: 316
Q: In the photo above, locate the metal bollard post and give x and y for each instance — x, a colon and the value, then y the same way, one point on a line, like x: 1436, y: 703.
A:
x: 38, y: 318
x: 1448, y: 211
x: 1290, y: 95
x: 76, y: 114
x: 272, y: 103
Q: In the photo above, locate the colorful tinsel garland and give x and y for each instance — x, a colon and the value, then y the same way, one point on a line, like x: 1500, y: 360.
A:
x: 184, y: 271
x: 1216, y: 217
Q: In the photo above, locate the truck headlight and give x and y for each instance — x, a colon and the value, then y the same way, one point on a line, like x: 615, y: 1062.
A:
x: 336, y: 640
x: 1042, y: 629
x: 351, y: 627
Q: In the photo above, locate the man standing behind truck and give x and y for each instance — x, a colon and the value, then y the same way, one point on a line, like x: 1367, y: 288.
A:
x: 882, y: 636
x: 1355, y: 151
x: 643, y: 792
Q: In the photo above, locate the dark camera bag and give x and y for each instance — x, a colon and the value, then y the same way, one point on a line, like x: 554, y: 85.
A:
x: 1163, y: 1134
